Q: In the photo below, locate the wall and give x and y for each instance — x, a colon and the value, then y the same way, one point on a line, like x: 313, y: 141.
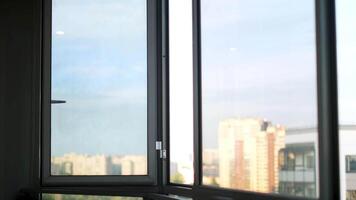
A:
x: 19, y: 61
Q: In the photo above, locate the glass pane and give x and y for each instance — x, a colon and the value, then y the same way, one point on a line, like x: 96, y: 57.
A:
x: 84, y: 197
x: 346, y: 48
x: 259, y: 99
x: 181, y: 91
x: 99, y: 87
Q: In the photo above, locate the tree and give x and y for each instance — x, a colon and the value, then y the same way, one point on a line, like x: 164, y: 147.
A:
x: 178, y: 178
x: 214, y: 182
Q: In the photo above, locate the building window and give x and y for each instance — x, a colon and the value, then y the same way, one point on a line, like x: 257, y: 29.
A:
x: 351, y: 164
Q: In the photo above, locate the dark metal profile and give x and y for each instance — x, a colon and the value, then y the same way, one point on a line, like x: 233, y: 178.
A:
x: 158, y: 115
x: 197, y: 94
x: 207, y: 192
x: 152, y: 111
x: 135, y: 191
x: 46, y: 90
x: 165, y: 89
x: 327, y: 100
x: 36, y: 99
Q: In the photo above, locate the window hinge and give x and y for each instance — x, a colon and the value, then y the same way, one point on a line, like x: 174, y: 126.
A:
x: 162, y: 152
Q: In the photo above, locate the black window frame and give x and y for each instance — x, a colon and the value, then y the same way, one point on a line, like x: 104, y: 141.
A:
x: 152, y: 111
x: 327, y: 115
x: 327, y: 104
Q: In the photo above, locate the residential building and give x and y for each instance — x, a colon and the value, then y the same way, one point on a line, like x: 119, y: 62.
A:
x: 248, y: 154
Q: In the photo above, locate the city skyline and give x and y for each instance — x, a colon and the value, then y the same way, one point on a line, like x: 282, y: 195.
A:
x: 80, y: 164
x: 290, y: 175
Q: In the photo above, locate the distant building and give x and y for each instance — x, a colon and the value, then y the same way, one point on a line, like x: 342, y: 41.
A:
x: 181, y: 172
x: 79, y: 164
x: 350, y: 177
x: 185, y: 168
x: 347, y: 146
x: 248, y: 154
x: 129, y: 165
x: 298, y: 175
x: 211, y: 167
x: 134, y: 165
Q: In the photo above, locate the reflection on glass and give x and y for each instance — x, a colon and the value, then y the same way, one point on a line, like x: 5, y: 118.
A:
x: 259, y: 102
x: 179, y: 197
x: 346, y: 48
x: 99, y: 96
x: 181, y: 91
x: 84, y: 197
x: 351, y: 164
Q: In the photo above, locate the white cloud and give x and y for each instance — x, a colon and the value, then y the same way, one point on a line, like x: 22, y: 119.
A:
x: 59, y: 33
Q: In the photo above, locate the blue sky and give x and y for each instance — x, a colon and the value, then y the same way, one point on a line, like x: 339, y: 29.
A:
x: 258, y: 61
x: 99, y: 67
x: 346, y: 47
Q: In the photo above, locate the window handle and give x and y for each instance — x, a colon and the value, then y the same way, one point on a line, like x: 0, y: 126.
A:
x: 58, y: 101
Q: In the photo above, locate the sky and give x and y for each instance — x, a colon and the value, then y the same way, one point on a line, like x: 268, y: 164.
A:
x: 258, y: 60
x: 181, y: 85
x: 346, y: 51
x: 99, y: 66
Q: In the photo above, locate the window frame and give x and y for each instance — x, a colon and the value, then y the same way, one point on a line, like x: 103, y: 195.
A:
x: 152, y: 110
x: 327, y: 115
x: 327, y: 106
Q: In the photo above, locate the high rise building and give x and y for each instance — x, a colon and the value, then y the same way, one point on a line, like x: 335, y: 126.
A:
x: 248, y: 154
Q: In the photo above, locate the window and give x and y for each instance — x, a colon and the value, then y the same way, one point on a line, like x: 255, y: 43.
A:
x: 188, y: 99
x: 100, y: 85
x: 259, y: 95
x: 350, y: 195
x: 181, y: 91
x: 351, y: 164
x: 310, y: 160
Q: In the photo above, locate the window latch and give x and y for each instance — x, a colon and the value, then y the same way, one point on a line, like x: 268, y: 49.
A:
x: 162, y: 152
x: 57, y: 101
